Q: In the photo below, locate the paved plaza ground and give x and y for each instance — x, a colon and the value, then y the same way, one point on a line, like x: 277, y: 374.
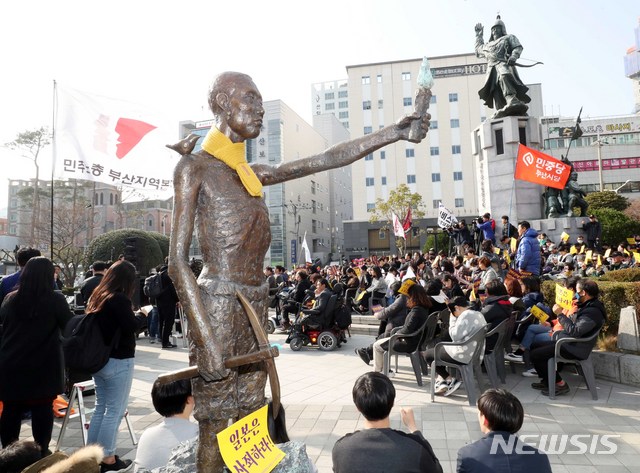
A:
x: 316, y: 391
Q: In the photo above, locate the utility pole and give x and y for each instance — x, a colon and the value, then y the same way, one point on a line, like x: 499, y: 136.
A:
x: 600, y: 143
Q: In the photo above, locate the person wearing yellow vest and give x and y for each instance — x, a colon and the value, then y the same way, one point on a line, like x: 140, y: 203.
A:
x: 220, y: 194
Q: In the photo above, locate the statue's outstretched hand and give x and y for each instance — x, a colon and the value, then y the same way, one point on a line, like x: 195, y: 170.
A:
x: 512, y: 60
x: 211, y: 365
x: 403, y: 125
x: 479, y: 29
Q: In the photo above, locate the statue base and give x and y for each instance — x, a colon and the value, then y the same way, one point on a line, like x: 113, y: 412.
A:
x: 554, y: 227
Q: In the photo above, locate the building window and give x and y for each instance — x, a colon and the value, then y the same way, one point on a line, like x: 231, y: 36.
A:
x: 379, y: 78
x: 433, y: 99
x: 110, y: 199
x: 411, y: 178
x: 433, y: 125
x: 371, y: 207
x: 366, y: 105
x: 455, y: 149
x: 313, y: 206
x: 342, y: 94
x: 380, y: 103
x: 435, y: 177
x: 366, y: 80
x: 12, y: 229
x: 367, y: 130
x: 369, y: 157
x: 406, y: 76
x: 457, y: 175
x: 329, y: 96
x: 383, y: 155
x: 343, y: 114
x: 407, y: 101
x: 453, y: 97
x: 329, y: 106
x: 436, y: 203
x: 369, y: 181
x: 346, y: 124
x: 384, y: 181
x: 116, y: 199
x: 459, y: 203
x: 455, y: 123
x: 435, y: 151
x: 150, y: 223
x: 410, y: 153
x: 314, y: 226
x: 343, y: 104
x: 313, y: 187
x: 101, y: 198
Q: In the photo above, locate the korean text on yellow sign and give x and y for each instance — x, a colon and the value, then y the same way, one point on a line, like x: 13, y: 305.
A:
x: 564, y: 297
x: 246, y: 446
x: 539, y: 314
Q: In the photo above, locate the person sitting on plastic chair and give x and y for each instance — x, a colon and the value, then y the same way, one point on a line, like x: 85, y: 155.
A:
x: 315, y: 317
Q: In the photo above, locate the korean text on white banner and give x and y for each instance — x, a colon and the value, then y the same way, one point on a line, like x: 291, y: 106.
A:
x: 112, y: 141
x: 398, y: 230
x: 446, y: 219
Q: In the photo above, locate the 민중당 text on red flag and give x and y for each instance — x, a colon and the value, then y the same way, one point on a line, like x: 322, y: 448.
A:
x: 539, y: 168
x: 112, y: 141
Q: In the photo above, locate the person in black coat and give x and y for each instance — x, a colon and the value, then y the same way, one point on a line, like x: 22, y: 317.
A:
x: 98, y: 267
x: 298, y: 294
x: 166, y: 302
x: 419, y: 304
x: 317, y: 314
x: 31, y: 361
x: 496, y: 308
x: 589, y: 319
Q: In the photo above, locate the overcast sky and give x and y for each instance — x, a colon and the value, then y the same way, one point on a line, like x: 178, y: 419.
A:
x: 164, y: 55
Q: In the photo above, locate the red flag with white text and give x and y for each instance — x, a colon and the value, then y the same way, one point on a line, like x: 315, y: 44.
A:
x: 539, y: 168
x: 112, y: 141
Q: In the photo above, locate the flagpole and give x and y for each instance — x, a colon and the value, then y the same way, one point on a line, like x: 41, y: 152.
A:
x: 53, y: 155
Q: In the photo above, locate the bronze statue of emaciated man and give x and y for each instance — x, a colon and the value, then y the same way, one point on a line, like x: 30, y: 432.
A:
x: 220, y: 195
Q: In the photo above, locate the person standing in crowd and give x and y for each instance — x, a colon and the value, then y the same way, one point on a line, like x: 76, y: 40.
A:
x: 167, y: 303
x: 9, y: 282
x: 378, y: 448
x: 500, y: 415
x: 487, y: 226
x: 528, y: 256
x: 508, y: 230
x: 461, y: 236
x: 89, y: 284
x: 594, y: 232
x: 111, y: 304
x: 31, y: 365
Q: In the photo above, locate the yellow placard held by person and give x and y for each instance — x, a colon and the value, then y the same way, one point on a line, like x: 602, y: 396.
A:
x: 607, y: 253
x: 631, y: 241
x: 582, y: 248
x: 564, y: 297
x: 496, y: 250
x: 247, y: 447
x: 636, y: 257
x: 507, y: 258
x: 599, y: 263
x: 588, y: 256
x: 514, y: 245
x: 573, y: 250
x: 539, y: 314
x: 564, y: 236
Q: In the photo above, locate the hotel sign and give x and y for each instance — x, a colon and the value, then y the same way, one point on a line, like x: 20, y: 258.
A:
x: 453, y: 71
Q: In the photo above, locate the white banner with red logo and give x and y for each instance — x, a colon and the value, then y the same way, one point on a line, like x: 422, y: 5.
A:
x: 539, y: 168
x: 112, y: 141
x: 397, y: 227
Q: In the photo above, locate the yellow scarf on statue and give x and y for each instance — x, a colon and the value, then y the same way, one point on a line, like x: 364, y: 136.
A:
x: 218, y: 145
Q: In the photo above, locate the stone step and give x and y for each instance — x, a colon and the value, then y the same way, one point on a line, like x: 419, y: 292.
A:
x: 364, y: 319
x: 363, y: 329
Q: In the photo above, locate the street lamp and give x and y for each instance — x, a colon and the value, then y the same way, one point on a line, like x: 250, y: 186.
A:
x: 618, y: 188
x: 600, y: 143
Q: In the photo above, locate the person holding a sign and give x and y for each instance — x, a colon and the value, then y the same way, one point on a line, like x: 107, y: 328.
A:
x: 589, y: 319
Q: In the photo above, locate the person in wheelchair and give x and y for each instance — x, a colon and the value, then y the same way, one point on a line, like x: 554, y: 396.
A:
x: 296, y: 297
x: 316, y: 316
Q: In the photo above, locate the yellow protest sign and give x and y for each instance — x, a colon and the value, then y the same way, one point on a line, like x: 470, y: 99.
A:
x: 599, y: 263
x: 514, y: 245
x: 246, y: 446
x: 496, y: 251
x: 358, y: 271
x: 539, y: 314
x: 582, y: 248
x: 564, y: 236
x: 589, y: 256
x: 607, y: 253
x: 631, y: 241
x: 564, y: 297
x: 573, y: 250
x: 636, y: 257
x: 507, y: 258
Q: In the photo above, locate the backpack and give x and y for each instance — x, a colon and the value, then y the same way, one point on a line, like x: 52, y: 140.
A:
x: 85, y: 349
x: 343, y: 317
x: 153, y: 285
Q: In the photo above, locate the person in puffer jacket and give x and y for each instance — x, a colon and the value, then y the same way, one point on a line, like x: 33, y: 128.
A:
x: 496, y: 308
x: 528, y: 256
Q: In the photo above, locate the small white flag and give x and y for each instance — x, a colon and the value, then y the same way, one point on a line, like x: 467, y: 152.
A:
x: 397, y: 227
x: 446, y: 219
x: 305, y: 247
x: 112, y: 141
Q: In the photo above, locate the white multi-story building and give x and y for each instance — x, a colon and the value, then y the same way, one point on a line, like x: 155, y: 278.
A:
x: 615, y: 141
x: 314, y: 205
x: 632, y: 67
x: 331, y: 97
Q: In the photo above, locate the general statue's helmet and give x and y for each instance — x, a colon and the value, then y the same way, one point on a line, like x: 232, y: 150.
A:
x: 500, y: 23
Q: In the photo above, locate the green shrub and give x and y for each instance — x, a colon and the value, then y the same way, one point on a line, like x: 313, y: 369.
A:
x: 616, y: 226
x: 163, y: 241
x: 613, y: 294
x: 108, y: 246
x: 622, y: 275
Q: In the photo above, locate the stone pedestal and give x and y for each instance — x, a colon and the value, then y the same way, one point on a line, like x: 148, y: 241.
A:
x: 628, y: 337
x: 495, y: 149
x: 554, y: 227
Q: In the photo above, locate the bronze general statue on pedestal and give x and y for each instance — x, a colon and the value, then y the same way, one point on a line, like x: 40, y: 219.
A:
x: 220, y: 195
x: 503, y: 90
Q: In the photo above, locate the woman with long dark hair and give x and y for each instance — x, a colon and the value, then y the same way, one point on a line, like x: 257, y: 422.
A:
x: 31, y: 362
x: 110, y: 302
